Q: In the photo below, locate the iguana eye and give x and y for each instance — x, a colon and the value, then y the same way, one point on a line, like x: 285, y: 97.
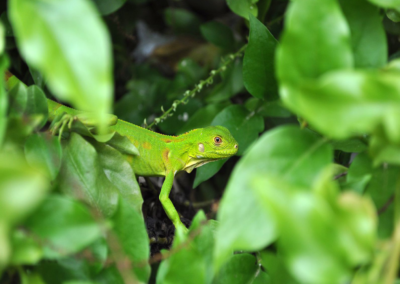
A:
x: 217, y: 140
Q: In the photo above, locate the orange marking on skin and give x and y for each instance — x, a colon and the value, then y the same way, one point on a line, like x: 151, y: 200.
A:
x: 7, y: 75
x: 168, y: 141
x: 146, y: 145
x: 165, y: 154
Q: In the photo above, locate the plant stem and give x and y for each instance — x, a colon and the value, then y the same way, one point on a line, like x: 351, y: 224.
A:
x: 197, y: 88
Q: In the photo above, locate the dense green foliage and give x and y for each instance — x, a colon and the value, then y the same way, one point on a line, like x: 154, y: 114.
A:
x: 310, y: 89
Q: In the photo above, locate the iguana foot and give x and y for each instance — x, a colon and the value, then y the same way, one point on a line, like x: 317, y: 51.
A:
x: 60, y: 122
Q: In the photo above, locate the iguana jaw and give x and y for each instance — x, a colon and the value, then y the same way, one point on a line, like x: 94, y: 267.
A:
x: 200, y: 160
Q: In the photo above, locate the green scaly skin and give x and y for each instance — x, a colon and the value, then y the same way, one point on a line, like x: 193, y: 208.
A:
x: 160, y: 155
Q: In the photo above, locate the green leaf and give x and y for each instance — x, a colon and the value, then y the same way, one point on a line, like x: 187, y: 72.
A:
x: 274, y: 264
x: 6, y: 24
x: 66, y: 269
x: 393, y: 15
x: 207, y: 171
x: 108, y: 6
x: 27, y: 277
x: 359, y: 174
x: 258, y: 63
x: 332, y: 104
x: 182, y: 21
x: 232, y: 84
x: 18, y: 97
x: 386, y: 3
x: 3, y: 99
x: 266, y: 108
x: 368, y: 37
x: 243, y: 7
x: 203, y: 117
x: 44, y: 151
x: 110, y: 175
x: 37, y: 77
x: 218, y: 34
x: 377, y: 182
x: 132, y: 236
x: 2, y: 38
x: 244, y: 127
x: 67, y: 42
x: 63, y: 225
x: 316, y: 217
x: 22, y: 187
x: 310, y: 24
x: 25, y: 249
x: 288, y: 153
x: 241, y: 268
x: 192, y: 263
x: 352, y: 145
x: 36, y: 104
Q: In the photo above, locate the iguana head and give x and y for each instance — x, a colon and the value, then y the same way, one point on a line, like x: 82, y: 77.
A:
x: 215, y: 142
x: 210, y: 144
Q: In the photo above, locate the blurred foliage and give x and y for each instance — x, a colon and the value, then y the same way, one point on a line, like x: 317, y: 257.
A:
x: 310, y: 90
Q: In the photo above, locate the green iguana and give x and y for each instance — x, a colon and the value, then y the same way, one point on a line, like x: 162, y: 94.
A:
x: 160, y: 155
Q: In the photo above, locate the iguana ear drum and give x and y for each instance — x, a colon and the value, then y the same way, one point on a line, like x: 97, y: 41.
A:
x: 201, y: 147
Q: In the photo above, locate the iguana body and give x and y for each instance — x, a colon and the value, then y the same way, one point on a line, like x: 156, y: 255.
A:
x: 162, y: 155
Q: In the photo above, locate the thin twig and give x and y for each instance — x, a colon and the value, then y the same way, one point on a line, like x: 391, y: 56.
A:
x: 196, y: 89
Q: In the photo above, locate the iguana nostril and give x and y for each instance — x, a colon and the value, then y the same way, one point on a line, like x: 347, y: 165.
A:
x: 236, y: 146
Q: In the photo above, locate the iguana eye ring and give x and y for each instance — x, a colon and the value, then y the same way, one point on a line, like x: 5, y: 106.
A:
x: 217, y: 140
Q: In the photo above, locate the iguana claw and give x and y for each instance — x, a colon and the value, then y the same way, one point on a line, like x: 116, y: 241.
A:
x: 60, y: 122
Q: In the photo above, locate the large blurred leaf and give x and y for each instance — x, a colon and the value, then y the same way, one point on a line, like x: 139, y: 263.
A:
x: 132, y: 236
x: 218, y: 34
x: 3, y: 98
x: 244, y: 127
x: 241, y: 268
x: 289, y: 153
x: 193, y: 262
x: 377, y: 182
x: 316, y: 40
x: 316, y: 217
x: 258, y: 63
x: 243, y: 7
x: 68, y: 43
x: 2, y: 38
x: 25, y: 250
x: 368, y: 37
x: 63, y: 225
x: 44, y: 151
x: 332, y: 104
x: 22, y: 188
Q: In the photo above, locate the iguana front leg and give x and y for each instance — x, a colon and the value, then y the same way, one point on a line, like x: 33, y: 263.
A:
x: 167, y: 204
